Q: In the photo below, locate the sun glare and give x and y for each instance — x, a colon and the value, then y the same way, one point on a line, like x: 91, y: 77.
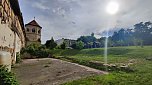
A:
x: 112, y: 8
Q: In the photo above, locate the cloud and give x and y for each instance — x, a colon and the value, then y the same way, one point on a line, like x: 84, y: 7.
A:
x: 40, y: 5
x: 73, y: 18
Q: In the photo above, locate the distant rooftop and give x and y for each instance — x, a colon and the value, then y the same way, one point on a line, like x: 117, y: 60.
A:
x: 33, y: 23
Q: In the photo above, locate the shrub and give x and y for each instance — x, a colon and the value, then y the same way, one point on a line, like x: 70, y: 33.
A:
x: 7, y: 78
x: 50, y: 44
x: 79, y: 45
x: 36, y: 51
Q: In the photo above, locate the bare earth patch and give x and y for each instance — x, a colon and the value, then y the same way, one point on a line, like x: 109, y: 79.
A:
x: 50, y: 71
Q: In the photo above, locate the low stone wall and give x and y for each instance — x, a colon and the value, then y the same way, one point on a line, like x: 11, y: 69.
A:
x: 99, y: 65
x: 27, y: 56
x: 112, y: 67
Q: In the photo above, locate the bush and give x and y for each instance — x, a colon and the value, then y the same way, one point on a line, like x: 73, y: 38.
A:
x: 41, y: 53
x: 79, y: 45
x: 7, y: 78
x: 50, y: 44
x: 36, y: 51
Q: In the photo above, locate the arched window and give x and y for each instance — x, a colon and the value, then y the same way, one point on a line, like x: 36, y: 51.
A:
x: 33, y: 30
x: 39, y: 31
x: 27, y: 30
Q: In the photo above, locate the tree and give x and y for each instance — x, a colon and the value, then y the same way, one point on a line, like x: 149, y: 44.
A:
x: 90, y: 44
x: 92, y: 34
x: 139, y: 29
x: 79, y: 45
x: 140, y: 34
x: 143, y: 33
x: 50, y: 44
x: 63, y: 45
x: 102, y: 41
x: 88, y: 40
x: 120, y: 42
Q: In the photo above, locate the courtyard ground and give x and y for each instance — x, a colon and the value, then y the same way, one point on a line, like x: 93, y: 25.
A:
x: 48, y: 71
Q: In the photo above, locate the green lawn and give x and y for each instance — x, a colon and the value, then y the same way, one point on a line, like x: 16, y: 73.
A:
x: 142, y: 74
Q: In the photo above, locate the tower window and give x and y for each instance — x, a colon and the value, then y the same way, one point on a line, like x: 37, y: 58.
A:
x: 39, y: 31
x: 28, y: 30
x: 33, y: 30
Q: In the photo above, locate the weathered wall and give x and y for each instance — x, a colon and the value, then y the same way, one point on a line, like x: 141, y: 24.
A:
x: 32, y: 42
x: 68, y: 42
x: 6, y: 36
x: 12, y: 37
x: 9, y: 41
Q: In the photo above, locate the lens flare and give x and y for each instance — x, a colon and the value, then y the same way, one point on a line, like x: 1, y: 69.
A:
x: 112, y: 8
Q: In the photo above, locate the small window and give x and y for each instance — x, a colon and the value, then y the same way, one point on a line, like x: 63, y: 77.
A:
x: 39, y: 31
x: 28, y: 30
x: 33, y: 30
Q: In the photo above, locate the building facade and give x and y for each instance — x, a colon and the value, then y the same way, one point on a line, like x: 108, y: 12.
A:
x: 33, y: 33
x: 12, y: 34
x: 68, y: 42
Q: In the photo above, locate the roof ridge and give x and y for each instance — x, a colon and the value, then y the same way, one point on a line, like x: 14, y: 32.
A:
x: 34, y: 23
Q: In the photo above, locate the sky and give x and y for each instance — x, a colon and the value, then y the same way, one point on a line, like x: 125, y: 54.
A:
x: 74, y: 18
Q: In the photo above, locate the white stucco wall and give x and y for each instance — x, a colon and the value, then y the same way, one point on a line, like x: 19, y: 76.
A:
x: 9, y: 39
x: 18, y: 44
x: 6, y: 36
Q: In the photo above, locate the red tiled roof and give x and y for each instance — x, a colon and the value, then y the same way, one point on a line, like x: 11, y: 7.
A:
x: 34, y: 23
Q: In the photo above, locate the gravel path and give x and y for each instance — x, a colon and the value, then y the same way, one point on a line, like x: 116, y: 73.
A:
x: 48, y: 71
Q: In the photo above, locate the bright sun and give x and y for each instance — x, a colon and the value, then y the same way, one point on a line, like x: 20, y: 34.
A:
x: 112, y: 7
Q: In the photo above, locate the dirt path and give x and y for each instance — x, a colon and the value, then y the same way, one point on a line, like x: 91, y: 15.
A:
x: 50, y: 71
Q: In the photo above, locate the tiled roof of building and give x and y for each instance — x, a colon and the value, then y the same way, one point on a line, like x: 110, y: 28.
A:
x: 16, y: 9
x: 33, y: 23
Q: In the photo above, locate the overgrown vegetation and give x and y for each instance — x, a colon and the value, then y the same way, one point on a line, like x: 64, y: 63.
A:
x: 142, y: 76
x: 141, y: 66
x: 78, y: 45
x: 139, y: 69
x: 50, y: 44
x: 7, y: 78
x: 35, y: 51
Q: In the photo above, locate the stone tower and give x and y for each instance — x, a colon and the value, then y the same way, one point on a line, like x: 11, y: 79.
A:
x: 33, y: 33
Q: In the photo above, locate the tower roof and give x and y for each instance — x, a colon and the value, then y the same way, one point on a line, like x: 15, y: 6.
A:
x: 33, y: 23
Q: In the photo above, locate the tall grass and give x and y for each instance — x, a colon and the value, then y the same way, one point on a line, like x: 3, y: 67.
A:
x: 143, y: 67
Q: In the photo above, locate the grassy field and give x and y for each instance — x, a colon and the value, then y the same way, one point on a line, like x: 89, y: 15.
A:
x: 142, y: 74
